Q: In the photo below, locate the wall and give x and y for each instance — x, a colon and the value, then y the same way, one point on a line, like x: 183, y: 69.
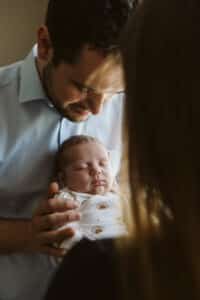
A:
x: 19, y: 20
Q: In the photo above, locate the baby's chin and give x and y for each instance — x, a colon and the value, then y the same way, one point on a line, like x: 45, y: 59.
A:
x: 99, y: 190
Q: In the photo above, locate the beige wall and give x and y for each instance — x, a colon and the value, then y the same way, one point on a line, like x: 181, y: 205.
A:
x: 19, y: 20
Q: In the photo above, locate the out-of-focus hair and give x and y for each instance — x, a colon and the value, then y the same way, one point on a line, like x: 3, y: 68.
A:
x: 161, y: 59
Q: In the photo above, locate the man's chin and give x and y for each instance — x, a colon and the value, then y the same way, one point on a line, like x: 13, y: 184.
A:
x: 76, y: 118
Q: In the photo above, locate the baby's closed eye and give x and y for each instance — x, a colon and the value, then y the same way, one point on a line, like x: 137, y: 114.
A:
x: 81, y: 166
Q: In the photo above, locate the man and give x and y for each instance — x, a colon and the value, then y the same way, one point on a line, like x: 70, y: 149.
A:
x: 72, y: 75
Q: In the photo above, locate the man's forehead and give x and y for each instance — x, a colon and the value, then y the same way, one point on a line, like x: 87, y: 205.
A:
x: 107, y: 77
x: 97, y: 71
x: 95, y: 59
x: 96, y: 56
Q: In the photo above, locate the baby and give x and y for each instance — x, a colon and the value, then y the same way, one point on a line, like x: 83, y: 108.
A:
x: 84, y: 173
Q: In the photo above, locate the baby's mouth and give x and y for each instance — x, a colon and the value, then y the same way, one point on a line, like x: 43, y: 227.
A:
x: 99, y: 182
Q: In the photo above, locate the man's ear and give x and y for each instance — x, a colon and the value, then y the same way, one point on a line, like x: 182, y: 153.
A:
x: 45, y: 49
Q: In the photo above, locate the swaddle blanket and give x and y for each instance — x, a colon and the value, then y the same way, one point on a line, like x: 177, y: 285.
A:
x: 100, y: 217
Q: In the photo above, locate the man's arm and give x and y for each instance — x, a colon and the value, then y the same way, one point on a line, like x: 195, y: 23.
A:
x: 40, y: 233
x: 14, y: 235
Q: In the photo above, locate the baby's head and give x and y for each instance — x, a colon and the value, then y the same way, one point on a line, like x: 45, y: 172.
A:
x: 83, y: 165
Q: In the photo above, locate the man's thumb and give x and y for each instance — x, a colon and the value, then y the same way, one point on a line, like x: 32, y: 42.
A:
x: 53, y: 189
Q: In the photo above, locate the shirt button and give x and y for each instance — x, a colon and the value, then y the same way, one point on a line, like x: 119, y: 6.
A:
x: 98, y: 229
x: 102, y: 205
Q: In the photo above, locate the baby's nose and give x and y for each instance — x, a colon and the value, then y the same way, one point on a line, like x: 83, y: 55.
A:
x: 96, y: 170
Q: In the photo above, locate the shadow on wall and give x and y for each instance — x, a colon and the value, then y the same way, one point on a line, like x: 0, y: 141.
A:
x: 19, y: 20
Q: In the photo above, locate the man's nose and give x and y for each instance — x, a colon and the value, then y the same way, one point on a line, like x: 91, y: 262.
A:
x: 95, y: 103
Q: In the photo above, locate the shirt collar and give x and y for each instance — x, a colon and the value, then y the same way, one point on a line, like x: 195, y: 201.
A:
x: 30, y: 83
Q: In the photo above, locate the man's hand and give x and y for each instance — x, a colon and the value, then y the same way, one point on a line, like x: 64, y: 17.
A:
x: 44, y: 226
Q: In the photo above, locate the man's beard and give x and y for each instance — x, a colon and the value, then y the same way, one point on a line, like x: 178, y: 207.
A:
x: 47, y: 85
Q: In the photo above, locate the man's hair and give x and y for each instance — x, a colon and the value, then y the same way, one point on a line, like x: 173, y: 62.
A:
x: 74, y: 23
x: 61, y: 157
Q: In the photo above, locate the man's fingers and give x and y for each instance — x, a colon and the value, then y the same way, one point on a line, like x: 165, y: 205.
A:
x: 56, y: 205
x: 55, y: 236
x: 55, y: 220
x: 53, y: 189
x: 53, y: 251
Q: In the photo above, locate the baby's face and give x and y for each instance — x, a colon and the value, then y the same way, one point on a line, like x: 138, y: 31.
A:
x: 88, y: 169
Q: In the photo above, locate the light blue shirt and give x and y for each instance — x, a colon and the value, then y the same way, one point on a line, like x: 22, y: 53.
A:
x: 30, y: 132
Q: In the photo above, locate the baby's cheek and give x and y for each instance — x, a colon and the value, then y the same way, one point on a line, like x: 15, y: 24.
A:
x: 108, y: 175
x: 84, y: 183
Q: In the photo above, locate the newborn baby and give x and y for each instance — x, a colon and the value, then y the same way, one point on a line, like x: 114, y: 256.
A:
x: 85, y: 175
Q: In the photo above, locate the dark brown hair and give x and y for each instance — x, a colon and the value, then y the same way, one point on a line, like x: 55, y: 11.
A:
x: 72, y: 24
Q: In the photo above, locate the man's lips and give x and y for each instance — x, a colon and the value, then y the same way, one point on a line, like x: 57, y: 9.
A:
x: 81, y: 110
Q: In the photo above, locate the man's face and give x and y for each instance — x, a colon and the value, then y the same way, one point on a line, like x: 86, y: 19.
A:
x: 88, y: 169
x: 80, y: 89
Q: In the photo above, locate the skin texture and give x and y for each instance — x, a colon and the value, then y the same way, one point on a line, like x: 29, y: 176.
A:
x: 87, y: 169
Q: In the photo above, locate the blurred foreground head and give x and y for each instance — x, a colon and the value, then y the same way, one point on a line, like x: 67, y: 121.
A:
x: 161, y: 49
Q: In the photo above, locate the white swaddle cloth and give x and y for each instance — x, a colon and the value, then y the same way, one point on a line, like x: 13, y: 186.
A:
x: 100, y: 217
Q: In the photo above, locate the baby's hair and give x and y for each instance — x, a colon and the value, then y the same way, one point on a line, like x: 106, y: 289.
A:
x: 67, y: 144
